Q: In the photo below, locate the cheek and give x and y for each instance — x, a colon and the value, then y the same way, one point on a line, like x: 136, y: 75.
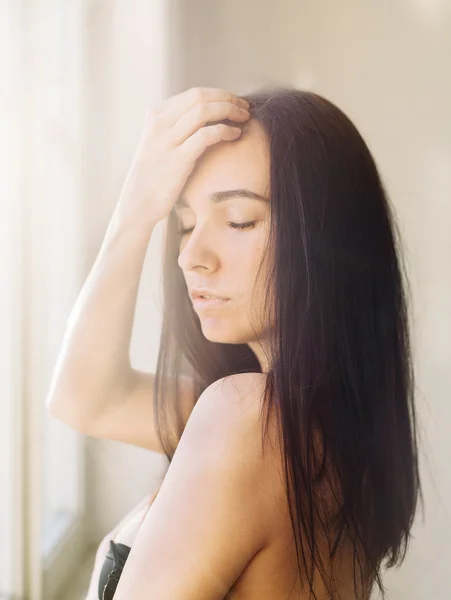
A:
x: 244, y: 257
x: 244, y: 268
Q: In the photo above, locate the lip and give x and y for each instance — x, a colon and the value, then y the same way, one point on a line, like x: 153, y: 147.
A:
x: 195, y: 294
x: 216, y: 301
x: 204, y: 303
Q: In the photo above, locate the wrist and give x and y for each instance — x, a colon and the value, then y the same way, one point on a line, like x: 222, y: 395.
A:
x: 120, y: 228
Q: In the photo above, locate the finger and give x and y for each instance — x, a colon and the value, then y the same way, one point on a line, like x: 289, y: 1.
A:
x: 181, y: 103
x: 205, y: 137
x: 203, y: 113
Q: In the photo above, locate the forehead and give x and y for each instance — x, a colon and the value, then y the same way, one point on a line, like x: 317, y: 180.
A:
x: 242, y: 163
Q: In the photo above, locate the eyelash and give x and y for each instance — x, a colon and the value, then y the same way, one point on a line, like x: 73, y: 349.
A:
x: 247, y: 225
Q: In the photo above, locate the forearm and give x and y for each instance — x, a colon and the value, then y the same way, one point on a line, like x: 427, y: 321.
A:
x: 93, y: 365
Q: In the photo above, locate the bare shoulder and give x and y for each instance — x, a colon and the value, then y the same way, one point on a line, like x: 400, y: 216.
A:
x: 235, y: 400
x: 212, y: 514
x: 232, y: 412
x: 240, y: 390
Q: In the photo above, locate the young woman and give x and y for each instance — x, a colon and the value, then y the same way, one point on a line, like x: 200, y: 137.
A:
x: 284, y: 391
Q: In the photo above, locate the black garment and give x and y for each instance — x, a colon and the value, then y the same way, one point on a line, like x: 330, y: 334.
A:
x: 112, y: 569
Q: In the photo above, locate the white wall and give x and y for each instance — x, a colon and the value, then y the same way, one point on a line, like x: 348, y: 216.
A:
x: 386, y: 64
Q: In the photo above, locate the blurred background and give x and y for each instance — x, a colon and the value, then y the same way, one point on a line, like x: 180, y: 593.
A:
x: 77, y: 78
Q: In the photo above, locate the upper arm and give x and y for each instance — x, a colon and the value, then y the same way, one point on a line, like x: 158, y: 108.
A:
x: 130, y: 417
x: 205, y: 524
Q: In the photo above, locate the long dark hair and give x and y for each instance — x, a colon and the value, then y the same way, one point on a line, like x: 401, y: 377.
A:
x: 341, y: 379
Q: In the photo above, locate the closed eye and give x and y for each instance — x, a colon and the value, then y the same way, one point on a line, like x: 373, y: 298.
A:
x: 247, y: 225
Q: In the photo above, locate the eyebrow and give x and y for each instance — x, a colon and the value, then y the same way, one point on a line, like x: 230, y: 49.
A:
x: 224, y: 195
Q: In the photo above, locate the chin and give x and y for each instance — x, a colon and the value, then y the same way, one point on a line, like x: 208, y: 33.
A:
x: 222, y: 332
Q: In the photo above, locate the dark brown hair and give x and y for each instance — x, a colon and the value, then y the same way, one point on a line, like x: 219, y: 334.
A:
x: 340, y: 360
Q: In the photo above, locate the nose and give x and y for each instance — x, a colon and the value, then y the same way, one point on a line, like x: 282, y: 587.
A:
x: 198, y: 251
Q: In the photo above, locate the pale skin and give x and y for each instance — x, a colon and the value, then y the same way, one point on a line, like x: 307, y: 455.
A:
x: 218, y: 504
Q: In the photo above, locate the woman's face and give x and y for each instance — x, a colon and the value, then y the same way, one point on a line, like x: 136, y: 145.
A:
x: 214, y: 254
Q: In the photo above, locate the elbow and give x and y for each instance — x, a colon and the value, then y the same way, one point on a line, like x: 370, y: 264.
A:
x: 67, y: 415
